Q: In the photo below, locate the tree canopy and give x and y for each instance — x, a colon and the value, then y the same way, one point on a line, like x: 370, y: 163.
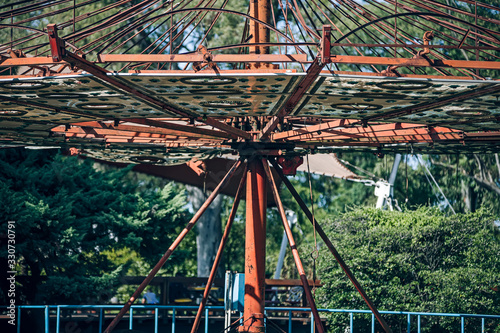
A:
x: 419, y: 260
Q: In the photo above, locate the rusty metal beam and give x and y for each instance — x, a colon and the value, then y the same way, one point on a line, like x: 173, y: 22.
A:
x: 128, y: 130
x: 171, y: 249
x: 228, y: 128
x: 58, y: 52
x: 295, y: 97
x: 312, y: 74
x: 311, y: 129
x: 192, y: 130
x: 102, y: 74
x: 418, y: 62
x: 218, y: 256
x: 376, y: 131
x: 331, y: 247
x: 32, y: 61
x: 228, y: 58
x: 293, y: 247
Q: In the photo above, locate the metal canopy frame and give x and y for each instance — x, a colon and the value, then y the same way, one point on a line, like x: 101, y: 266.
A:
x: 311, y: 84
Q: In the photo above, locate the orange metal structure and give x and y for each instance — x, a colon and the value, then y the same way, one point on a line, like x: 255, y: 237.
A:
x: 157, y: 82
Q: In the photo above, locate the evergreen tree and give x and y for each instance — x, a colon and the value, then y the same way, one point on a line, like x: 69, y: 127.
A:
x: 69, y: 217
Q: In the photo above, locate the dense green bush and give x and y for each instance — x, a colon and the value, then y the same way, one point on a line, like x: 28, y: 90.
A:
x: 413, y: 261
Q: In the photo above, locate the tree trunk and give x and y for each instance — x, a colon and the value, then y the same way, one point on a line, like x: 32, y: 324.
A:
x: 469, y: 196
x: 209, y: 228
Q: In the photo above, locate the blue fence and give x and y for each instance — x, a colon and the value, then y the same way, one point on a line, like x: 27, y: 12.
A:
x: 173, y: 309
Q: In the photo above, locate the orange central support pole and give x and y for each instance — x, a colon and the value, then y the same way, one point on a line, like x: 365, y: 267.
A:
x: 255, y: 248
x: 259, y: 9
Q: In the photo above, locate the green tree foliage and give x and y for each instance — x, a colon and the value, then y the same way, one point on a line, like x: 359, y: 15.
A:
x: 419, y: 260
x: 71, y: 220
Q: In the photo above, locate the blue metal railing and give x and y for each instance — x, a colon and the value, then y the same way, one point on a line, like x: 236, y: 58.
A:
x: 174, y: 308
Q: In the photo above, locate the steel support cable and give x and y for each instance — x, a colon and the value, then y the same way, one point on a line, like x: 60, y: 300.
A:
x: 387, y: 33
x: 288, y: 29
x: 125, y: 41
x: 299, y: 20
x: 86, y: 16
x: 339, y: 7
x: 10, y: 4
x: 165, y: 35
x: 100, y: 25
x: 149, y: 32
x: 285, y: 10
x: 213, y: 22
x: 125, y: 15
x: 195, y: 26
x: 121, y: 31
x: 454, y: 28
x: 423, y: 14
x: 311, y: 53
x: 376, y: 38
x: 420, y: 4
x: 404, y: 14
x: 55, y: 12
x: 309, y: 16
x: 39, y: 32
x: 421, y: 161
x: 432, y: 17
x: 416, y: 23
x: 277, y: 36
x: 227, y: 11
x: 69, y: 22
x: 22, y: 40
x: 114, y: 20
x: 473, y: 33
x: 383, y: 30
x: 161, y: 37
x: 174, y: 245
x: 31, y: 8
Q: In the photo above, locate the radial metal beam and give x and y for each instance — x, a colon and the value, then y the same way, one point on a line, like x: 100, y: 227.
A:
x: 414, y: 62
x: 331, y: 247
x: 300, y: 90
x: 136, y: 131
x: 187, y: 130
x: 228, y: 128
x: 60, y: 53
x: 295, y: 97
x: 310, y: 130
x: 172, y: 247
x: 188, y: 58
x: 293, y: 247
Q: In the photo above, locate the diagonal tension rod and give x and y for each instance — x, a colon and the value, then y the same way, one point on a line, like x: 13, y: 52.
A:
x: 332, y: 249
x: 172, y: 247
x: 293, y: 246
x: 218, y: 257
